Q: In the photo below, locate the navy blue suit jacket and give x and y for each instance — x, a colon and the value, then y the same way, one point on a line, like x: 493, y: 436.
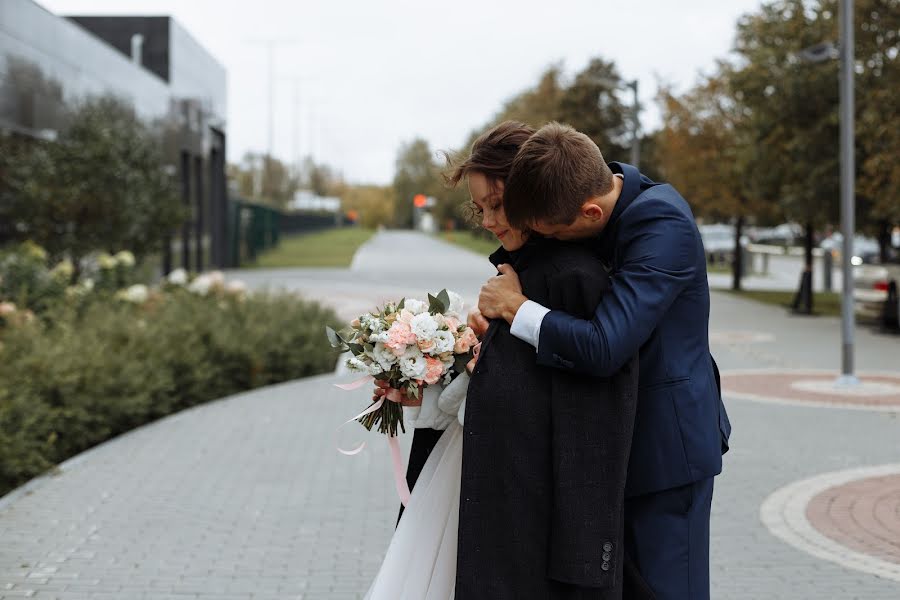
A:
x: 658, y: 306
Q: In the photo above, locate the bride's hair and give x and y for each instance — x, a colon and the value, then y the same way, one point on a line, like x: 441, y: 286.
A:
x: 491, y: 155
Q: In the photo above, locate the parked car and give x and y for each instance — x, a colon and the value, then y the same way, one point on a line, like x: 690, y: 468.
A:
x: 718, y: 242
x: 786, y: 234
x: 875, y: 284
x: 865, y: 249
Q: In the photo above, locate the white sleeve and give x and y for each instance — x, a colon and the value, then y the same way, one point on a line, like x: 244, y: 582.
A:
x: 527, y: 323
x: 428, y: 415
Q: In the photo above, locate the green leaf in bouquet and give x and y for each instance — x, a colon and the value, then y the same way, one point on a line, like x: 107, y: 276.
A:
x: 444, y: 297
x: 369, y: 348
x: 347, y: 334
x: 334, y: 338
x: 402, y: 304
x: 356, y: 349
x: 435, y: 306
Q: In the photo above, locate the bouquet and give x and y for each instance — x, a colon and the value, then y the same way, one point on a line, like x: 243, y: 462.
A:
x: 409, y: 344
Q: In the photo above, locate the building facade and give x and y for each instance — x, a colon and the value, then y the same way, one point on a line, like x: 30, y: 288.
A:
x: 49, y: 63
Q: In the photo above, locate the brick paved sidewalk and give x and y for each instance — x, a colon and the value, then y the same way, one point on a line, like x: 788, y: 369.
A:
x: 247, y: 497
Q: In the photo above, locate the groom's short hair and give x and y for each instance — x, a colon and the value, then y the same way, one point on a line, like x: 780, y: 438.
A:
x: 555, y: 171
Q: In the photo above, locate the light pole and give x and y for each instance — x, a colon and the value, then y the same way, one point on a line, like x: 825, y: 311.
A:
x: 635, y: 114
x: 845, y: 51
x: 848, y: 208
x: 635, y: 125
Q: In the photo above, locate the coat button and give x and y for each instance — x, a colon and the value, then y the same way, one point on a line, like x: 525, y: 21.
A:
x: 605, y: 566
x: 607, y: 556
x: 607, y: 547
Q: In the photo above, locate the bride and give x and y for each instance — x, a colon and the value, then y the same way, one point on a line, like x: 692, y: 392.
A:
x: 522, y: 495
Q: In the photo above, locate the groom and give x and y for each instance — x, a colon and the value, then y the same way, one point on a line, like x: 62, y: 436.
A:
x: 561, y: 187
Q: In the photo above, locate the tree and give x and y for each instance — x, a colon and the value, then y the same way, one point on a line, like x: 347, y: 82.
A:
x: 416, y: 173
x: 265, y: 179
x: 878, y: 116
x: 373, y: 203
x: 102, y: 185
x: 791, y: 106
x: 591, y: 105
x: 704, y: 147
x: 538, y: 105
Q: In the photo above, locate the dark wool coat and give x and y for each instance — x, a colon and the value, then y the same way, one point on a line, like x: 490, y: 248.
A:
x: 545, y: 454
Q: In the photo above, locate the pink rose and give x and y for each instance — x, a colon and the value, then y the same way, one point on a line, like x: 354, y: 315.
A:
x: 399, y: 336
x: 405, y: 316
x: 465, y: 341
x: 426, y: 345
x: 452, y: 323
x: 433, y: 370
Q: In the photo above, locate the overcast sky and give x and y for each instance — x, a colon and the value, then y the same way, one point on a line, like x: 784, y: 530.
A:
x: 373, y: 74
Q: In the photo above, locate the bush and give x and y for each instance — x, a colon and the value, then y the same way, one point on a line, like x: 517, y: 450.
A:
x: 103, y: 184
x: 89, y: 370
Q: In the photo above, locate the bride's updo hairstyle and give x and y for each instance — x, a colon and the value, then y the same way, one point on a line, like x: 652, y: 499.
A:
x: 491, y: 155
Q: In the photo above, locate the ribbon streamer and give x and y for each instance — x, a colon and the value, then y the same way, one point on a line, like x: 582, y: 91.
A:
x: 396, y: 459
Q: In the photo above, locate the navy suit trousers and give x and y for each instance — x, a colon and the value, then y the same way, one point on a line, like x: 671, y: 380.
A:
x: 667, y: 535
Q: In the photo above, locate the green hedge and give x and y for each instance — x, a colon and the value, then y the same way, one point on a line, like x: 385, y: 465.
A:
x: 85, y: 371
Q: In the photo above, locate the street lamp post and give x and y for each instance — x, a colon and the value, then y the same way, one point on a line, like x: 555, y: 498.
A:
x: 845, y: 51
x: 635, y: 125
x: 635, y: 114
x: 848, y: 173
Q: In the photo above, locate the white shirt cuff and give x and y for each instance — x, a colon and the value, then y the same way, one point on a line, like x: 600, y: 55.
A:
x: 527, y: 323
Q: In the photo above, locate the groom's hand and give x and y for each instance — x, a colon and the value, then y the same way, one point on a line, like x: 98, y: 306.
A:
x: 501, y: 296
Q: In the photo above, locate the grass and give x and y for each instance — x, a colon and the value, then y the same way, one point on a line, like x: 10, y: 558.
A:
x: 825, y: 304
x: 331, y: 248
x: 718, y: 267
x: 470, y: 241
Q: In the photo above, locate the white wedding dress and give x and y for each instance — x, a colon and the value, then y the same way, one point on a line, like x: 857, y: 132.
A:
x: 420, y: 563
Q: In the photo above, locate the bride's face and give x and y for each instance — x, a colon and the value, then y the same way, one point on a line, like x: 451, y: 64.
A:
x: 487, y: 196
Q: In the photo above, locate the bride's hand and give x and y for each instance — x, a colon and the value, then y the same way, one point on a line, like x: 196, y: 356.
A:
x: 470, y: 366
x: 383, y: 388
x: 477, y: 322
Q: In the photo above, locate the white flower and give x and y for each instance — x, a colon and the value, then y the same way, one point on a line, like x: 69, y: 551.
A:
x: 384, y: 356
x: 372, y: 323
x: 356, y: 364
x: 423, y: 326
x: 136, y: 293
x: 414, y: 306
x: 64, y: 270
x: 217, y: 278
x: 379, y: 337
x: 106, y: 261
x: 444, y: 342
x: 87, y: 284
x: 125, y: 258
x: 236, y: 287
x: 201, y: 285
x: 375, y: 369
x: 412, y: 364
x: 178, y: 277
x: 456, y: 304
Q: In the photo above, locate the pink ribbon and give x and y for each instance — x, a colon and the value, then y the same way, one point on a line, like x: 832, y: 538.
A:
x: 393, y: 395
x: 399, y: 479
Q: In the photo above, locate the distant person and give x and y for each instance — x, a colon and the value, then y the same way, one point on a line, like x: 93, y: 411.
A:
x: 657, y: 306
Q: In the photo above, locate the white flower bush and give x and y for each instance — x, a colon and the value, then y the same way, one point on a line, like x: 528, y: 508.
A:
x: 178, y: 277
